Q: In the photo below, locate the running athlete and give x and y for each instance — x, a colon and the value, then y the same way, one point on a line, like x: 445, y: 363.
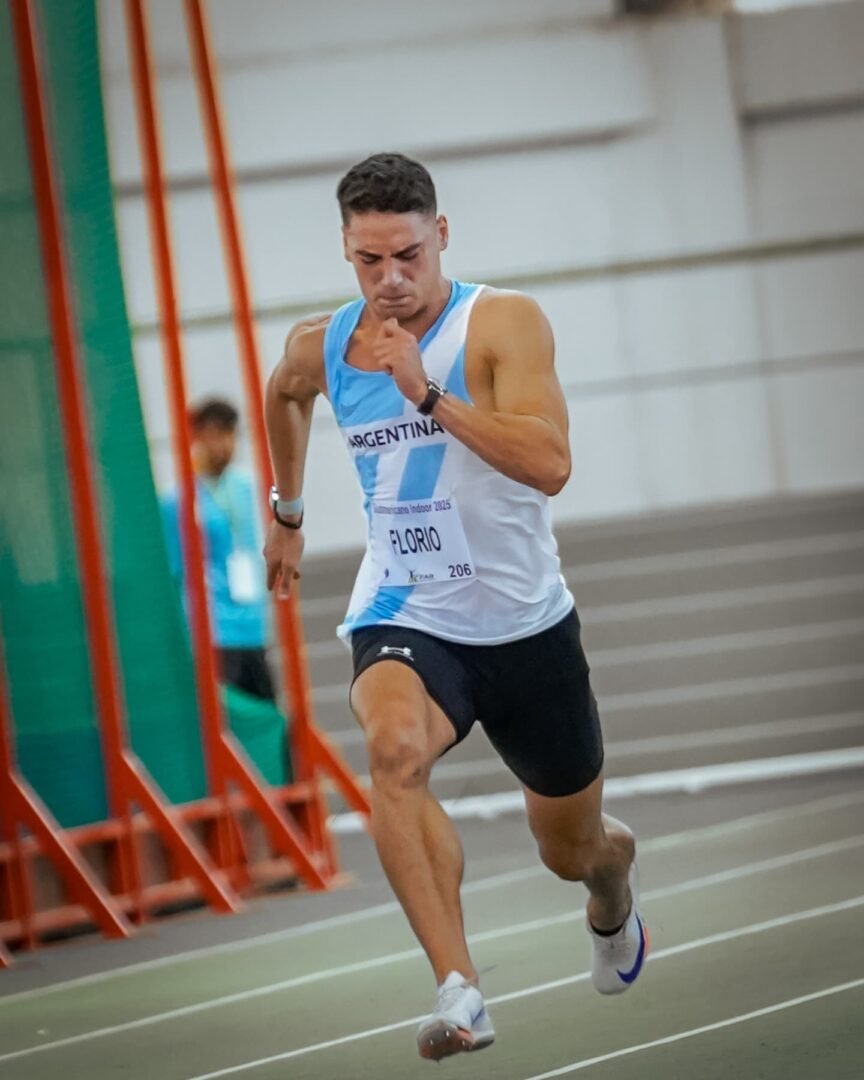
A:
x: 448, y: 401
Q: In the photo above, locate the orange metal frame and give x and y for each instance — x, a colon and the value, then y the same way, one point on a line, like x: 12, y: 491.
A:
x: 226, y: 760
x: 129, y: 785
x: 21, y: 806
x: 313, y: 750
x: 27, y: 828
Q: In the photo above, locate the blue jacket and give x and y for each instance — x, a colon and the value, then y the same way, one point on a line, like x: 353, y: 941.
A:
x: 229, y: 522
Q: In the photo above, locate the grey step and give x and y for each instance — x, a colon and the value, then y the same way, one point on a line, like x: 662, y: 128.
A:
x: 636, y: 538
x: 679, y: 618
x: 690, y: 576
x: 733, y: 656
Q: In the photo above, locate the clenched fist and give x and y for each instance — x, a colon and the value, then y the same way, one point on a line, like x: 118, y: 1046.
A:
x: 397, y: 353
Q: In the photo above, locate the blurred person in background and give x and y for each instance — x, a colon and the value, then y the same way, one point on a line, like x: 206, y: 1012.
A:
x: 228, y: 517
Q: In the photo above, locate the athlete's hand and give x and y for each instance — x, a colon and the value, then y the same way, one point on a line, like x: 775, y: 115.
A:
x: 283, y: 549
x: 397, y: 353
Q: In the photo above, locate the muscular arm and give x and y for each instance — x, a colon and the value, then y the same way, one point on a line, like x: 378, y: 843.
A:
x: 296, y: 381
x: 522, y: 430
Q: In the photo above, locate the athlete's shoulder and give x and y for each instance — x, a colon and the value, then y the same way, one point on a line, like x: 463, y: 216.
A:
x: 306, y: 336
x: 498, y: 313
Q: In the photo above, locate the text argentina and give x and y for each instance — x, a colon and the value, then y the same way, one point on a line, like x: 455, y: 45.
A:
x: 410, y: 429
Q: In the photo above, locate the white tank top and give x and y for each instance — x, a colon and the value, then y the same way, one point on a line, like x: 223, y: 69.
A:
x: 454, y: 548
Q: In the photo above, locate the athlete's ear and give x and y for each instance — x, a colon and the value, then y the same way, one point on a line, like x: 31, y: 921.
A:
x: 443, y: 232
x: 345, y: 243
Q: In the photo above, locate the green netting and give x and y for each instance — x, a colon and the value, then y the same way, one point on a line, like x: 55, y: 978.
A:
x: 40, y: 593
x: 40, y: 589
x: 157, y: 672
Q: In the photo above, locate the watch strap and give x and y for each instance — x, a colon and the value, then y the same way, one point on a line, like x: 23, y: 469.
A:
x: 434, y: 391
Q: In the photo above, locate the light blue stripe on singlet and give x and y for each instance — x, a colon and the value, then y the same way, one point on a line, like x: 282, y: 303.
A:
x: 419, y: 478
x: 422, y: 469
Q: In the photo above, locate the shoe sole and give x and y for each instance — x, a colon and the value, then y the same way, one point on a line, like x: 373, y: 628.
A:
x: 442, y: 1040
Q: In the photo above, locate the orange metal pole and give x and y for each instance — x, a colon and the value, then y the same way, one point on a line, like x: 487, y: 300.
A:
x: 313, y: 750
x: 229, y: 846
x: 127, y: 780
x: 224, y: 756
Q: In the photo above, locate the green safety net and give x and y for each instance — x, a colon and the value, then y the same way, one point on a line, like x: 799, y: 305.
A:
x: 56, y: 733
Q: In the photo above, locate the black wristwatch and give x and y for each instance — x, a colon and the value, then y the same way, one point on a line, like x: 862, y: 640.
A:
x: 434, y: 391
x: 286, y: 506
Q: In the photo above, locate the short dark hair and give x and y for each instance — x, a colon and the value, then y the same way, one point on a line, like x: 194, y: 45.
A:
x: 216, y: 411
x: 386, y: 184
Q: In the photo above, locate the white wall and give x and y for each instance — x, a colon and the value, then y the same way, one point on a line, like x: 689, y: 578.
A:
x: 693, y: 186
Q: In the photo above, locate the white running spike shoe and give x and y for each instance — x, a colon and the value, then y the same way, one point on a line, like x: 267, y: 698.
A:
x: 459, y: 1023
x: 618, y: 959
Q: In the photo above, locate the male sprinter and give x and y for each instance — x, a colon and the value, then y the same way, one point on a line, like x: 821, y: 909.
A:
x: 447, y: 397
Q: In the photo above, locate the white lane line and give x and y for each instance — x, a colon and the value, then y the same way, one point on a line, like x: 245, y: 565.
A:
x: 662, y: 744
x: 695, y: 693
x: 667, y: 781
x: 741, y: 1018
x: 676, y: 950
x: 825, y: 805
x: 721, y: 877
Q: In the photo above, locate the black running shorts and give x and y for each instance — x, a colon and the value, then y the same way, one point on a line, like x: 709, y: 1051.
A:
x: 532, y: 696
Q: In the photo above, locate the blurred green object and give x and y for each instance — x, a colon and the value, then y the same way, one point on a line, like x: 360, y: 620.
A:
x: 56, y: 732
x: 261, y: 728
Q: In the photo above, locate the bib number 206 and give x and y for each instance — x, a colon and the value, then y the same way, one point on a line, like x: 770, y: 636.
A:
x: 459, y: 570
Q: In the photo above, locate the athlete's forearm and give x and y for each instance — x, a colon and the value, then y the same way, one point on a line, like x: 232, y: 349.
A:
x: 289, y: 423
x: 527, y: 449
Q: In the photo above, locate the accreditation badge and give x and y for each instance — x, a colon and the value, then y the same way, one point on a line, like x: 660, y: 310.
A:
x: 244, y: 577
x: 420, y: 542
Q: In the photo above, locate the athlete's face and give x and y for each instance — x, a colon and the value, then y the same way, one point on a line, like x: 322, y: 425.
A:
x: 397, y: 259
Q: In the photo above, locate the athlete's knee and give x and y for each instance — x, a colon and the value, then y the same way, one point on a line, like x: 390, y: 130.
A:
x: 571, y: 860
x: 398, y: 748
x: 589, y: 858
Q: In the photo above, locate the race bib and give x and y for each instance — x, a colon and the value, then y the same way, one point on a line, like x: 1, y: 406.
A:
x: 244, y: 577
x: 419, y: 543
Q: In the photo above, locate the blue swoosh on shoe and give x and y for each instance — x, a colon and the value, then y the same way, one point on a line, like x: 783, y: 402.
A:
x: 631, y: 975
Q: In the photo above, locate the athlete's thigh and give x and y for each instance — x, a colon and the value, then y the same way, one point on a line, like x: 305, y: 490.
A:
x: 541, y: 715
x: 389, y: 696
x: 407, y: 677
x: 566, y: 819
